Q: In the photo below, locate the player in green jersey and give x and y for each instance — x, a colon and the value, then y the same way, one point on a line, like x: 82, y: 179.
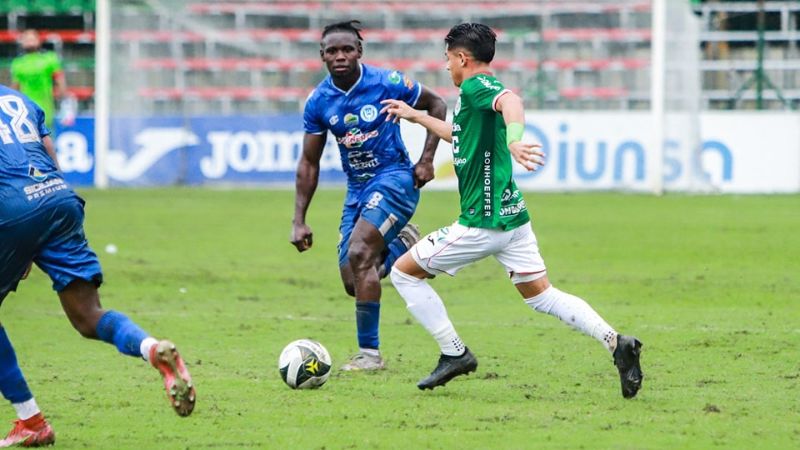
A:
x: 486, y: 133
x: 38, y: 74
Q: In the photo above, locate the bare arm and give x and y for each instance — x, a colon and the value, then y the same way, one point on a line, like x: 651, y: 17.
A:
x: 51, y: 150
x: 510, y: 106
x: 305, y: 185
x: 398, y: 109
x: 436, y: 107
x: 528, y: 155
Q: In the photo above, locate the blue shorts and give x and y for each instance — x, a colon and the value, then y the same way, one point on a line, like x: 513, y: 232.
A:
x: 54, y: 240
x: 386, y: 201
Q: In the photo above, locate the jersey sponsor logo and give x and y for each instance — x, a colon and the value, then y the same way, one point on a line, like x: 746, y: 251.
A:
x: 488, y: 84
x: 394, y: 77
x: 154, y: 144
x: 369, y: 113
x: 39, y: 190
x: 350, y: 119
x: 355, y: 138
x: 333, y: 120
x: 512, y: 210
x: 358, y: 160
x: 487, y: 184
x: 509, y: 195
x: 458, y: 162
x: 36, y: 174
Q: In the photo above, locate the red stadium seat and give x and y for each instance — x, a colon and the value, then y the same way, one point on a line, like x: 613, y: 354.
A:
x: 81, y: 92
x: 509, y: 6
x: 405, y: 65
x: 69, y: 36
x: 581, y: 93
x: 235, y: 93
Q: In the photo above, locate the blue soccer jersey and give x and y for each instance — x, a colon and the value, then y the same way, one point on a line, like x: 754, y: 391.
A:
x: 368, y: 144
x: 29, y: 179
x: 41, y: 218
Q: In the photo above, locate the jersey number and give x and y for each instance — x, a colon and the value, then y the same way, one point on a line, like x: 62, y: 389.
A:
x: 21, y: 126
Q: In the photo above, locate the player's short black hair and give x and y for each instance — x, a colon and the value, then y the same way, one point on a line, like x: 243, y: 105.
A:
x: 476, y: 38
x: 350, y: 26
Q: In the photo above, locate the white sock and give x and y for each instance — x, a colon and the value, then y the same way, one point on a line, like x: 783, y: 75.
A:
x: 26, y: 409
x: 575, y: 312
x: 146, y: 345
x: 370, y: 351
x: 425, y: 305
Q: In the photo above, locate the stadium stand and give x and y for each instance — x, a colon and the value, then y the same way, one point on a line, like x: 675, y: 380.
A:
x: 190, y: 56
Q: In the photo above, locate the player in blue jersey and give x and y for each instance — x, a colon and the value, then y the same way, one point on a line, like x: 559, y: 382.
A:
x: 382, y: 183
x: 41, y: 222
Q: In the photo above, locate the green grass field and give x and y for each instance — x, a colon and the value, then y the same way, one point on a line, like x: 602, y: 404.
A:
x: 710, y: 284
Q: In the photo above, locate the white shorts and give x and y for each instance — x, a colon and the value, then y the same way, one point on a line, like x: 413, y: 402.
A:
x: 448, y: 249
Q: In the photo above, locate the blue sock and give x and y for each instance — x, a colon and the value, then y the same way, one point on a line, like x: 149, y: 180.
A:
x: 368, y: 315
x: 396, y: 249
x: 116, y: 328
x: 12, y: 383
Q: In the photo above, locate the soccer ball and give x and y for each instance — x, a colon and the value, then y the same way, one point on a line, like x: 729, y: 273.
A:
x: 304, y: 364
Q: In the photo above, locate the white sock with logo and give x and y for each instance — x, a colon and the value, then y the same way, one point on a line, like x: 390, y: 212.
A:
x: 425, y: 305
x: 575, y: 312
x: 26, y: 409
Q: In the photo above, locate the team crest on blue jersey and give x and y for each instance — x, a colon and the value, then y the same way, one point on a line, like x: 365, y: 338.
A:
x: 36, y: 174
x: 369, y: 113
x: 394, y: 77
x: 333, y: 120
x: 350, y: 119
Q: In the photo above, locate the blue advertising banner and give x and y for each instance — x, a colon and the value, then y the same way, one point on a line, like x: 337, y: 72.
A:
x: 75, y: 148
x: 194, y: 151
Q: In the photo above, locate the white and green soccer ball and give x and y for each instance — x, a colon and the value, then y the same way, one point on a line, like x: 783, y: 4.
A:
x: 304, y: 364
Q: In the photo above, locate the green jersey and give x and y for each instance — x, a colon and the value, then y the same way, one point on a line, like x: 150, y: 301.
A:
x: 489, y: 196
x: 34, y: 73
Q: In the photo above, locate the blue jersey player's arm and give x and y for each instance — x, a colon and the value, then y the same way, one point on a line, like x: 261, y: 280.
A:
x: 307, y: 175
x: 436, y: 107
x: 305, y: 185
x: 44, y: 132
x: 422, y: 98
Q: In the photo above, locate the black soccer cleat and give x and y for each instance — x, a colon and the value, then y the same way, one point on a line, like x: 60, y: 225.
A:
x: 448, y: 368
x: 626, y: 358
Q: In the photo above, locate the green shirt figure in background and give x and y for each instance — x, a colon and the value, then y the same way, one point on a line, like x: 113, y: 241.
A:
x: 38, y: 74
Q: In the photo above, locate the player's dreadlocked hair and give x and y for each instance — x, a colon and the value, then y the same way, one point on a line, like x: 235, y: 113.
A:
x: 351, y: 26
x: 476, y: 38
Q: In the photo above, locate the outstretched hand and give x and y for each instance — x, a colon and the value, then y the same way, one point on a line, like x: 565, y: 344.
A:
x: 398, y: 109
x: 528, y: 155
x: 302, y: 238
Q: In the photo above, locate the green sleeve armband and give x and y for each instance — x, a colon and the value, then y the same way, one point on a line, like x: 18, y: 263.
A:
x: 514, y: 132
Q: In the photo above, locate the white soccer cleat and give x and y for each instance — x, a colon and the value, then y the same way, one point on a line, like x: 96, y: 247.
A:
x: 364, y: 362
